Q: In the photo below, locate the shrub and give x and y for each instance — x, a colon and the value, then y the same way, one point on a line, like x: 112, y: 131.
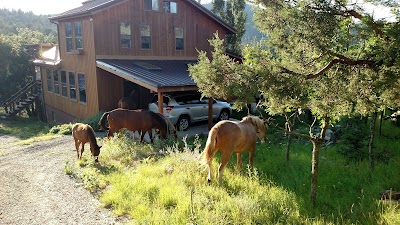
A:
x: 94, y: 121
x: 62, y: 129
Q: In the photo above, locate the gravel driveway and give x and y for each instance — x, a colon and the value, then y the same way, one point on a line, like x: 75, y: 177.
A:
x: 34, y: 188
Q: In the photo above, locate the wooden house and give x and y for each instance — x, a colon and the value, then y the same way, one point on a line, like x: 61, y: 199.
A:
x: 109, y: 48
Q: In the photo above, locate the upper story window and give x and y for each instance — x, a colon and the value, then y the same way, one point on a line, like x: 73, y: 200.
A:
x: 56, y: 83
x: 68, y: 36
x: 179, y: 39
x: 72, y: 86
x: 64, y: 84
x: 170, y: 7
x: 151, y: 5
x: 125, y: 35
x: 78, y: 35
x: 145, y: 37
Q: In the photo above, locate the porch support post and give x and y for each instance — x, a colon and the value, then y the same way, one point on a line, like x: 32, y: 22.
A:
x: 210, y: 104
x: 160, y: 102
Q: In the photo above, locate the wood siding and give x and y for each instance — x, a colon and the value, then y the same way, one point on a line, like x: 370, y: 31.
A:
x: 198, y: 28
x: 77, y: 63
x: 101, y: 38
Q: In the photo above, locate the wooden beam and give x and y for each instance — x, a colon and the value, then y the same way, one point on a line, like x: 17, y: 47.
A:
x: 160, y: 102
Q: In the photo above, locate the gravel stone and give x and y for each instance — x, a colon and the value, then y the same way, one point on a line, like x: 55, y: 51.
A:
x: 34, y: 188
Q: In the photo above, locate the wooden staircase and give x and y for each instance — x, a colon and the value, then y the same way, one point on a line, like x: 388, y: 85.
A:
x: 24, y: 99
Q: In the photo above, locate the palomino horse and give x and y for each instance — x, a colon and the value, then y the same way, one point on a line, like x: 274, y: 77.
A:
x: 83, y: 133
x: 134, y: 120
x: 228, y: 137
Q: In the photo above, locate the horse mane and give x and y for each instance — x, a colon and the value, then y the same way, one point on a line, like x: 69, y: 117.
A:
x: 160, y: 120
x: 92, y: 135
x: 255, y: 120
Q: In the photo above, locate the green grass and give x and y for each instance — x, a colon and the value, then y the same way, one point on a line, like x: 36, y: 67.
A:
x: 167, y: 187
x: 23, y: 127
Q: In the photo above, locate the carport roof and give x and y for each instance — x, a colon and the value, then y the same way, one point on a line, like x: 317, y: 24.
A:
x: 156, y: 75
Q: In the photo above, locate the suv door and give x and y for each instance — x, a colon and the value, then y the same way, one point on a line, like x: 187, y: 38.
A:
x: 196, y: 108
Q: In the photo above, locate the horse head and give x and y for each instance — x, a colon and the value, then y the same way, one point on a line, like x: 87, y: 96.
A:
x: 96, y: 152
x: 261, y: 128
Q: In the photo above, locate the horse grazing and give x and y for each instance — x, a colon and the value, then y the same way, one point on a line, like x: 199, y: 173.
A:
x: 171, y: 130
x: 134, y: 120
x: 228, y: 137
x: 128, y: 102
x: 83, y: 133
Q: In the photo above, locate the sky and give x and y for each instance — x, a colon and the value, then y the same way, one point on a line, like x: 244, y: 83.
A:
x: 50, y: 7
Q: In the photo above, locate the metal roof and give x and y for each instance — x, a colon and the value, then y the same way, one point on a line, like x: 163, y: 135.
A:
x: 172, y: 73
x: 91, y: 6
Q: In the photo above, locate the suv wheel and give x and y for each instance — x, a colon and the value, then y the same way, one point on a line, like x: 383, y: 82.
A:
x: 224, y: 115
x: 183, y: 123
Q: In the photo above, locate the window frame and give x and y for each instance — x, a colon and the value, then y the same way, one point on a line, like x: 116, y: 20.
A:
x: 68, y: 37
x: 63, y: 72
x: 142, y: 37
x: 147, y: 7
x: 49, y: 78
x: 182, y: 39
x: 79, y: 88
x: 121, y: 35
x: 168, y: 3
x: 56, y: 82
x: 71, y: 86
x: 78, y: 35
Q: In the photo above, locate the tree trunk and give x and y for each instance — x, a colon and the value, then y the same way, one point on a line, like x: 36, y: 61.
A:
x: 289, y: 142
x: 317, y: 142
x: 371, y: 140
x: 380, y: 123
x: 314, y: 170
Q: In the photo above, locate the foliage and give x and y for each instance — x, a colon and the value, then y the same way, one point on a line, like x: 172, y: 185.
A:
x: 93, y: 121
x: 233, y: 12
x: 10, y: 20
x: 62, y: 129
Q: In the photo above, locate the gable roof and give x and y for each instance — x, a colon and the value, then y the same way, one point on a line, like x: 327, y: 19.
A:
x: 92, y: 6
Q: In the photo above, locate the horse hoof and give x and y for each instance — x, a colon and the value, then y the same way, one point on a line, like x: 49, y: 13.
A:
x: 209, y: 181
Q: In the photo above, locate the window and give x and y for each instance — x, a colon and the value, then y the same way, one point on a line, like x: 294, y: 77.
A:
x: 49, y: 80
x: 56, y: 84
x: 179, y: 40
x: 72, y: 86
x: 125, y: 35
x: 64, y: 84
x: 170, y: 7
x: 68, y: 36
x: 78, y: 35
x: 145, y: 38
x: 151, y: 5
x: 82, y: 87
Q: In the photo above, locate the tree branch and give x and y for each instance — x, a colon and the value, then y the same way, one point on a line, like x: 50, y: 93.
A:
x: 340, y: 60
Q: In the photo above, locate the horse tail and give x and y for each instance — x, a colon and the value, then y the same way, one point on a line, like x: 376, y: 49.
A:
x: 209, y: 150
x: 102, y: 121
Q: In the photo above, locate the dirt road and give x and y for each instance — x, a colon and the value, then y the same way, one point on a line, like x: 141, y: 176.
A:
x: 34, y: 188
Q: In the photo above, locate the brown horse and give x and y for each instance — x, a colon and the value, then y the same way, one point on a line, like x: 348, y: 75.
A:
x: 128, y: 102
x: 83, y: 133
x: 228, y: 137
x: 134, y: 120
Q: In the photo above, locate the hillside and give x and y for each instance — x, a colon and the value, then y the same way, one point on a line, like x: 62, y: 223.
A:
x: 10, y: 20
x: 251, y: 33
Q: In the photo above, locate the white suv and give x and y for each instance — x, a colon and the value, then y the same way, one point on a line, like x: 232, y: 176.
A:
x: 182, y: 109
